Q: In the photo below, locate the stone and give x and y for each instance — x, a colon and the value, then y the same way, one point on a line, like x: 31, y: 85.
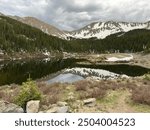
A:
x: 91, y: 102
x: 33, y: 106
x: 6, y: 107
x: 62, y: 104
x: 64, y: 109
x: 52, y: 110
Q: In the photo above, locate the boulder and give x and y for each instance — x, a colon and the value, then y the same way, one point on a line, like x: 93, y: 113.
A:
x: 6, y: 107
x: 91, y: 102
x: 33, y: 106
x: 63, y: 109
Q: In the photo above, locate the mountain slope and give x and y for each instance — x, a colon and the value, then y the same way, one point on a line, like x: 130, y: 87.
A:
x: 16, y: 37
x: 46, y: 28
x: 101, y: 30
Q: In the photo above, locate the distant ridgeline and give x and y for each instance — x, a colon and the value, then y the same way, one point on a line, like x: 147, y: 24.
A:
x: 18, y: 37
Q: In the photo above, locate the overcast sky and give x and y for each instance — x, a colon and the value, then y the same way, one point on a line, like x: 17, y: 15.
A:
x: 73, y: 14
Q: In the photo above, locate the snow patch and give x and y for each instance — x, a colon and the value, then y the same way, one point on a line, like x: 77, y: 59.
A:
x: 115, y: 59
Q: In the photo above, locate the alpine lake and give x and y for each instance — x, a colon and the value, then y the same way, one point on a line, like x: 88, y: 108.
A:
x: 18, y: 71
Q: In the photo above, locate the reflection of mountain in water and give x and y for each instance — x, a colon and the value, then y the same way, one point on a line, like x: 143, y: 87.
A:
x: 62, y: 78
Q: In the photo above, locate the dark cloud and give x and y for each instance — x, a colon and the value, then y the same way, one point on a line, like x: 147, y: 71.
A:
x: 73, y: 14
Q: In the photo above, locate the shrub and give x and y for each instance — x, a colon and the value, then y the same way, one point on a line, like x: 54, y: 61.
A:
x: 52, y: 93
x: 29, y: 91
x: 141, y: 94
x: 81, y: 85
x: 98, y: 93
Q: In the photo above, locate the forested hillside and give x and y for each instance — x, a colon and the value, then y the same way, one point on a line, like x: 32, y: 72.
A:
x: 18, y: 37
x: 132, y: 41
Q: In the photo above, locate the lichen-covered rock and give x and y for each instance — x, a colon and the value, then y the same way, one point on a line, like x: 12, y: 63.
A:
x: 6, y: 107
x: 33, y: 106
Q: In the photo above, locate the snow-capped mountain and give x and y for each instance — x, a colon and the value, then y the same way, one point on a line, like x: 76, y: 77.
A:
x: 98, y: 30
x: 101, y: 30
x: 46, y: 28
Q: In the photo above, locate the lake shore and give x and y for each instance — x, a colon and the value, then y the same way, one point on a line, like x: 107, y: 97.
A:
x: 139, y: 59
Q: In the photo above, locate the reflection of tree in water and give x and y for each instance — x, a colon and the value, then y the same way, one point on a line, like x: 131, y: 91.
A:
x: 18, y: 71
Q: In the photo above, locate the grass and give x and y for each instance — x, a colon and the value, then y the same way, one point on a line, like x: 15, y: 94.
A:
x: 141, y: 108
x: 127, y: 95
x: 111, y: 97
x: 109, y: 102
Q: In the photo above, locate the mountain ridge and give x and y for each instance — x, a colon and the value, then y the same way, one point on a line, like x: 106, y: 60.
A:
x: 98, y: 30
x: 101, y: 30
x: 45, y: 27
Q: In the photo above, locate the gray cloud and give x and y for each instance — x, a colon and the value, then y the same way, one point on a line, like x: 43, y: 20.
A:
x: 73, y: 14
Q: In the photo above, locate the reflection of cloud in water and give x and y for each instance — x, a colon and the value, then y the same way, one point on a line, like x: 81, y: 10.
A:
x: 62, y: 78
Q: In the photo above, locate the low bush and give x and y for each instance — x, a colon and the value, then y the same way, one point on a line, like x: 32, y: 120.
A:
x: 81, y: 85
x: 98, y: 93
x: 51, y: 93
x: 141, y: 94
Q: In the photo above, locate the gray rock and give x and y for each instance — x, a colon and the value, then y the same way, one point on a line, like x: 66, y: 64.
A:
x: 33, y: 106
x: 91, y: 102
x: 64, y: 109
x: 62, y: 104
x: 6, y: 107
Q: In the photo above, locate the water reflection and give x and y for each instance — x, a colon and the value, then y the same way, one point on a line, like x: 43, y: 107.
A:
x: 18, y: 71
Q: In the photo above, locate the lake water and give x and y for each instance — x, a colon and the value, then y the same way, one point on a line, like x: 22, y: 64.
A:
x: 19, y: 71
